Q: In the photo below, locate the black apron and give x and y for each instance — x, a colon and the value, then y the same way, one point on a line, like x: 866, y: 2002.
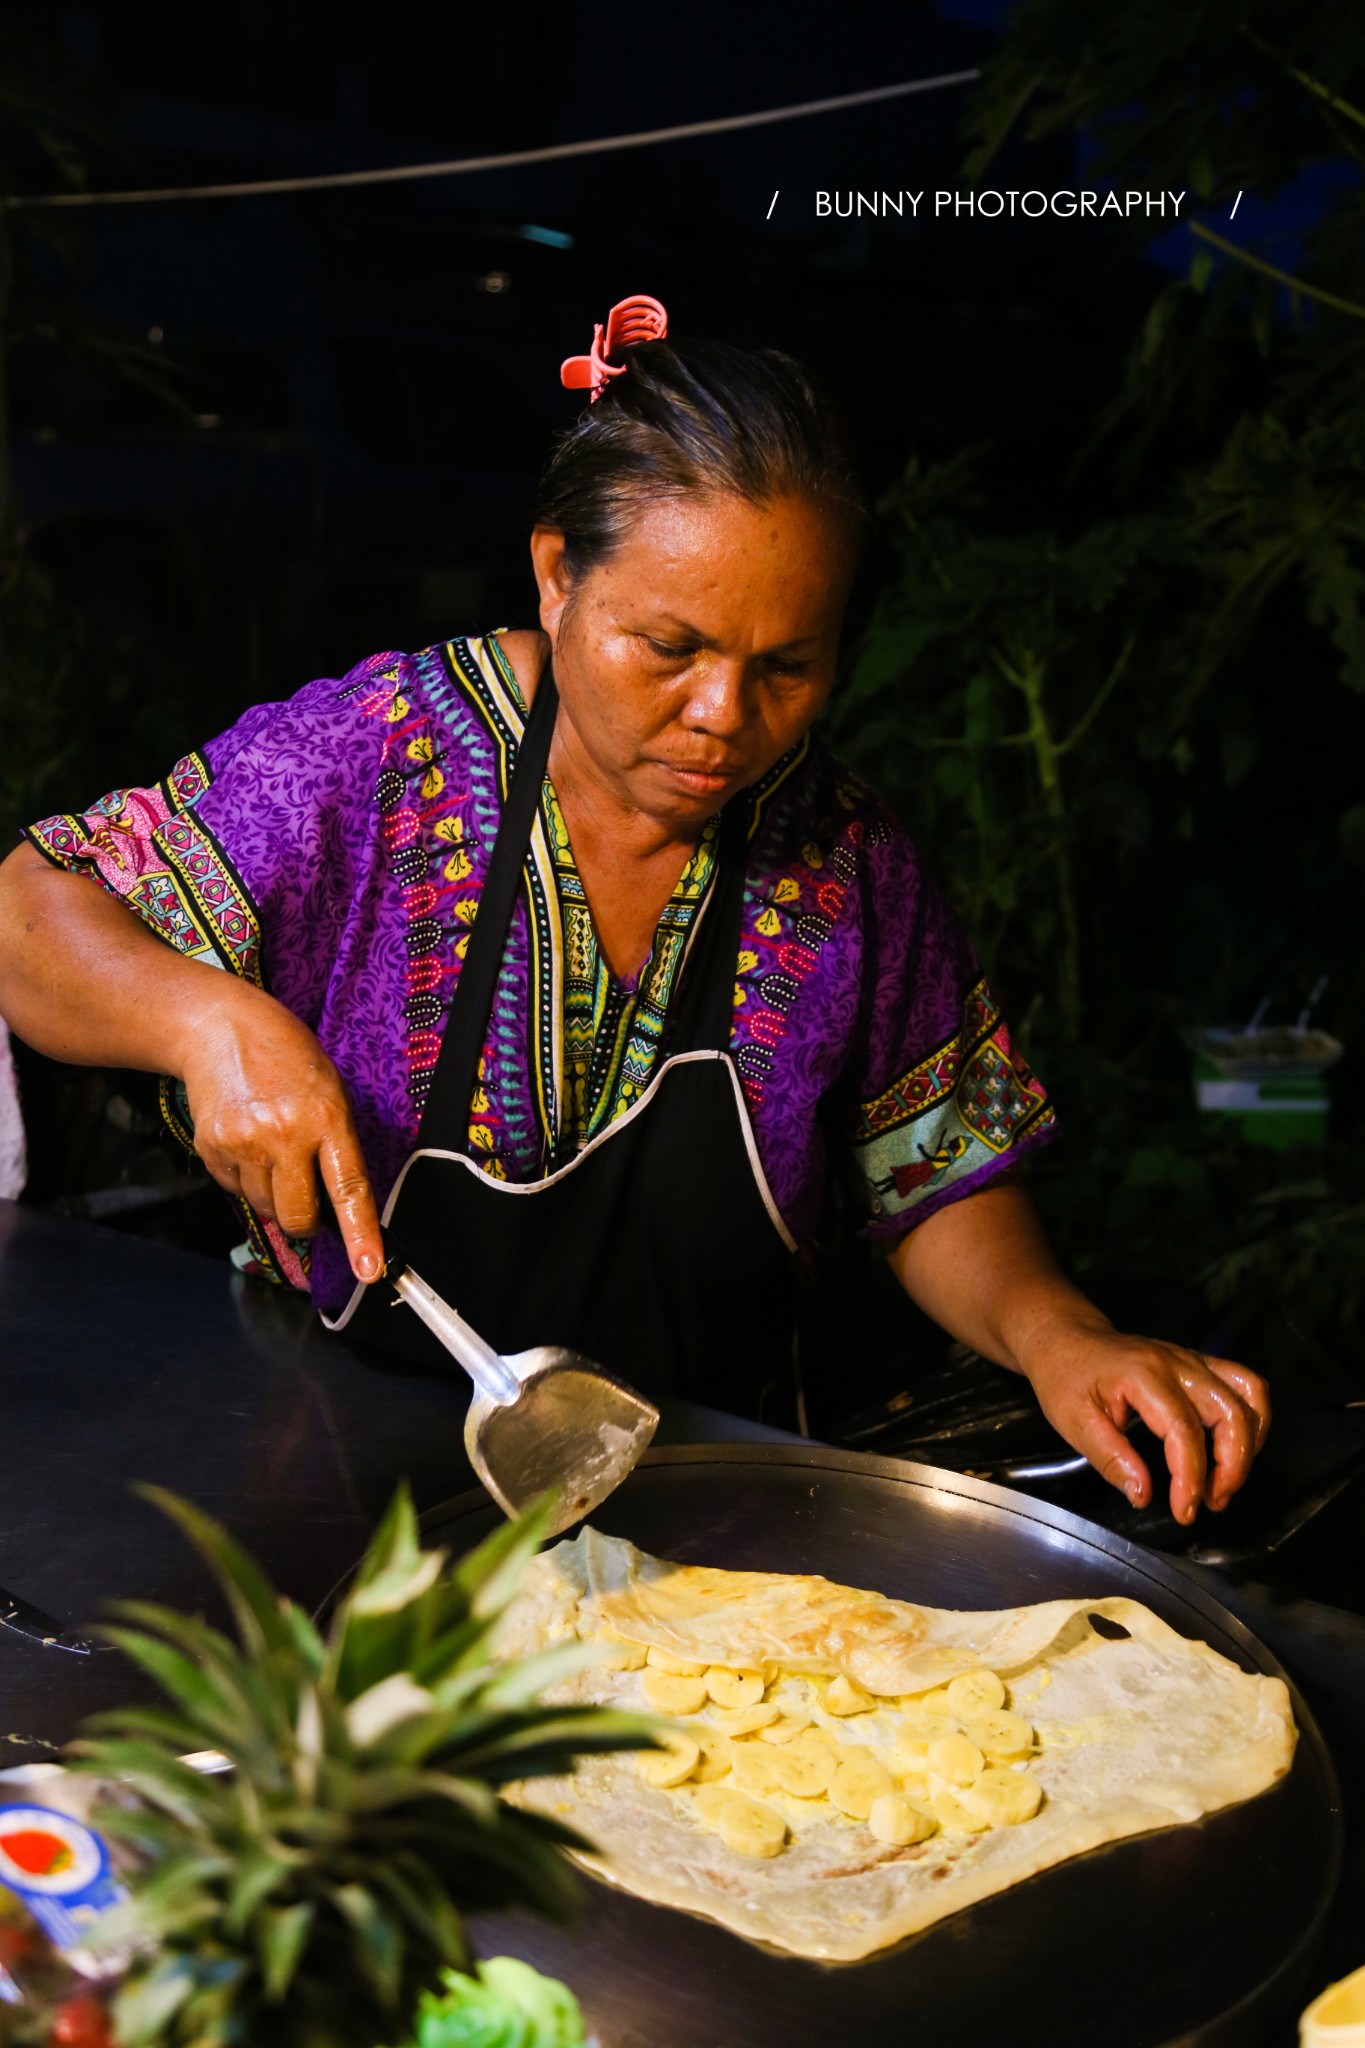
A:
x: 656, y: 1251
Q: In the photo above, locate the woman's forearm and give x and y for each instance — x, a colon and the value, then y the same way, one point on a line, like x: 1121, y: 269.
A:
x: 83, y: 979
x: 983, y: 1269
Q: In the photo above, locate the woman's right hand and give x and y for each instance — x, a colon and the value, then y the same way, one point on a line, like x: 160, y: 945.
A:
x: 272, y: 1122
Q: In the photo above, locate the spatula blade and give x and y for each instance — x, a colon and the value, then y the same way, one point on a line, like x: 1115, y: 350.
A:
x: 573, y: 1429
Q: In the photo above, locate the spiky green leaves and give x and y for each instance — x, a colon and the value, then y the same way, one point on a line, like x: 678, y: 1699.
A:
x: 314, y: 1890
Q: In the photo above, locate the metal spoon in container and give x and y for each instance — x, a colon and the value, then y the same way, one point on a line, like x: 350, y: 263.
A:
x: 541, y: 1418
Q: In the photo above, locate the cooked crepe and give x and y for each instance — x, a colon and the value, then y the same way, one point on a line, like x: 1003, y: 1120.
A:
x: 845, y: 1768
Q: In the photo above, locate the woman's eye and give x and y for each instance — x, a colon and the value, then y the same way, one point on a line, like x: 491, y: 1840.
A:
x: 794, y: 669
x: 665, y: 650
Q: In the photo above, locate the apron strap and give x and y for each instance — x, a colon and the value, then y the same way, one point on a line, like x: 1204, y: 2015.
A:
x: 445, y: 1120
x: 706, y: 1011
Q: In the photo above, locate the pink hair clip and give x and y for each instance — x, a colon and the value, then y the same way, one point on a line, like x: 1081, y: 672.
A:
x: 633, y: 320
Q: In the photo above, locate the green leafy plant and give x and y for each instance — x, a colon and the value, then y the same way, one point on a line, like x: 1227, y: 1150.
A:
x: 506, y: 2004
x: 312, y: 1892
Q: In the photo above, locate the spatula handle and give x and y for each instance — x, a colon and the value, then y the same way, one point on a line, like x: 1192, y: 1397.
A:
x: 490, y: 1373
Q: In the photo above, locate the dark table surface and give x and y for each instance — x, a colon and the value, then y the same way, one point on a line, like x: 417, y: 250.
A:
x: 124, y: 1360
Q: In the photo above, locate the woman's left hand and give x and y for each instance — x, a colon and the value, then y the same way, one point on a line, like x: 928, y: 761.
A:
x: 1212, y: 1416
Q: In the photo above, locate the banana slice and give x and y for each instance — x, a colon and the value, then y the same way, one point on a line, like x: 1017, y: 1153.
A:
x: 843, y: 1697
x: 1001, y: 1737
x: 919, y: 1726
x: 893, y: 1819
x: 956, y: 1760
x: 670, y: 1765
x: 975, y: 1693
x: 786, y: 1728
x: 676, y: 1667
x: 805, y: 1769
x: 743, y: 1824
x: 753, y: 1768
x: 717, y: 1755
x: 935, y: 1701
x: 733, y: 1688
x: 953, y: 1814
x: 619, y: 1655
x: 668, y: 1694
x: 748, y: 1720
x: 858, y: 1779
x: 1002, y: 1797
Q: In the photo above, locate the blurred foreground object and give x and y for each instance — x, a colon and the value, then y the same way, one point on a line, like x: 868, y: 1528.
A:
x: 312, y: 1891
x: 13, y: 1159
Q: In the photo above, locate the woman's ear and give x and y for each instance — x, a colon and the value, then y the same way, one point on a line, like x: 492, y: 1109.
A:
x: 552, y: 577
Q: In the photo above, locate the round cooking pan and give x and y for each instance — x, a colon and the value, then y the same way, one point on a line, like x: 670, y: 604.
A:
x: 1189, y: 1937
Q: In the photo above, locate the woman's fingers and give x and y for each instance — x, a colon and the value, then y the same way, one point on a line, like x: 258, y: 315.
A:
x: 1232, y: 1427
x: 1094, y: 1433
x: 294, y: 1195
x: 346, y: 1181
x: 1252, y: 1389
x: 1170, y: 1414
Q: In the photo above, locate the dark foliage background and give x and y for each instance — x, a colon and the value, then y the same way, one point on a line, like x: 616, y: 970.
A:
x: 1109, y: 656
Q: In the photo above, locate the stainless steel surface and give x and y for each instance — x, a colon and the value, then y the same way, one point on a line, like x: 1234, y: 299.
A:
x: 1191, y: 1937
x: 27, y: 1620
x: 541, y: 1420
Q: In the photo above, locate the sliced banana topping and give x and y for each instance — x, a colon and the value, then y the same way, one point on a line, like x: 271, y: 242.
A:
x: 717, y: 1755
x: 1002, y: 1797
x: 733, y: 1688
x: 953, y: 1814
x: 975, y: 1693
x: 858, y: 1779
x: 786, y: 1728
x: 743, y: 1824
x: 677, y: 1667
x: 670, y: 1694
x: 748, y: 1720
x: 753, y: 1768
x: 621, y: 1656
x: 843, y: 1697
x: 896, y: 1820
x: 1001, y: 1737
x: 954, y: 1759
x: 671, y: 1764
x: 803, y: 1768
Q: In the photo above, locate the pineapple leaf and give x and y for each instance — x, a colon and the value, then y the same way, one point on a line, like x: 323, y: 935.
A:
x: 215, y: 1714
x: 256, y: 1877
x: 145, y: 2004
x: 490, y: 1575
x: 396, y: 1542
x: 254, y: 1602
x: 520, y: 1682
x: 379, y: 1938
x: 184, y: 1794
x: 424, y: 1904
x: 151, y: 1722
x: 281, y: 1936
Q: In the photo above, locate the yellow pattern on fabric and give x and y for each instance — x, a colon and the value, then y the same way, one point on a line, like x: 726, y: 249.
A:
x: 612, y: 1032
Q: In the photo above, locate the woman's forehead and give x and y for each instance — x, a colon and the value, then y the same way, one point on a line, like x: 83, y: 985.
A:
x: 691, y: 559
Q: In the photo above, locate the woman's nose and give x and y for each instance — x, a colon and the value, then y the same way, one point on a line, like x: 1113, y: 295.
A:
x: 718, y: 702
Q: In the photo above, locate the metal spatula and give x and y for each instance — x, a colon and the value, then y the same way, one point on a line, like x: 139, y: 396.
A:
x: 542, y: 1418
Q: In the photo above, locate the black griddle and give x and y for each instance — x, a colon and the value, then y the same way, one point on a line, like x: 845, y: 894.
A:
x: 1190, y: 1937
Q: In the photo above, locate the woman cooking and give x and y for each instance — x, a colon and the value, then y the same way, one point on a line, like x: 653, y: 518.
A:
x: 575, y: 949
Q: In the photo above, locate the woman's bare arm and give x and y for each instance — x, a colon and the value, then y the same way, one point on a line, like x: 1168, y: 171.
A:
x: 83, y: 979
x: 982, y: 1268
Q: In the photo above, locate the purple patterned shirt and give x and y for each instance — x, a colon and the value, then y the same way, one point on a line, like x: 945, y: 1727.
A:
x: 332, y: 849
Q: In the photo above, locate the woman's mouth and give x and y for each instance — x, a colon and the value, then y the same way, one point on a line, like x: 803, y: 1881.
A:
x: 701, y: 781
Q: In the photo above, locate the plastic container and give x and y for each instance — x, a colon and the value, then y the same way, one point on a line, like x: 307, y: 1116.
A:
x: 1273, y: 1083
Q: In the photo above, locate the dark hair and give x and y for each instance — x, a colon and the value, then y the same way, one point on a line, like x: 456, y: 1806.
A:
x: 695, y: 418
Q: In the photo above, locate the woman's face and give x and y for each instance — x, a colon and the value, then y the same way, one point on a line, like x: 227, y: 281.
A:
x: 689, y: 662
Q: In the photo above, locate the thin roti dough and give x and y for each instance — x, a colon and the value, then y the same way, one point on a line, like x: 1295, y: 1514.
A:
x: 1147, y: 1731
